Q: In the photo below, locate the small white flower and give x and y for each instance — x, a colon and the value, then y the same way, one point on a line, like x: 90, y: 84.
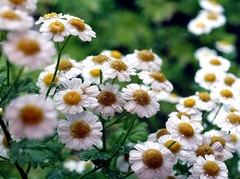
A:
x: 188, y: 105
x: 209, y: 168
x: 225, y: 95
x: 157, y: 80
x: 145, y: 60
x: 228, y: 121
x: 23, y: 5
x: 211, y: 5
x: 29, y: 49
x: 112, y: 54
x: 168, y: 97
x: 155, y: 136
x: 79, y: 28
x: 48, y: 17
x: 141, y: 100
x: 205, y: 102
x: 4, y: 147
x: 14, y: 19
x: 31, y: 116
x: 213, y: 19
x: 224, y: 46
x: 199, y: 26
x: 230, y: 80
x: 186, y: 132
x: 204, y: 52
x: 215, y: 63
x: 123, y: 163
x: 193, y: 117
x: 151, y: 160
x: 79, y: 131
x: 118, y: 68
x: 109, y: 101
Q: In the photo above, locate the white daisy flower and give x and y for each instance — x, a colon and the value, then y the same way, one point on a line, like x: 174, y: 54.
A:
x: 151, y: 160
x: 230, y: 80
x: 79, y: 131
x: 48, y: 17
x: 141, y: 100
x: 56, y: 29
x: 225, y: 140
x: 211, y: 5
x: 92, y: 75
x: 145, y: 60
x: 204, y: 52
x: 215, y: 20
x: 118, y: 68
x: 188, y: 105
x: 224, y: 46
x: 199, y: 26
x: 208, y: 78
x: 4, y: 147
x: 215, y: 63
x: 112, y: 54
x: 79, y: 28
x: 1, y: 111
x: 29, y: 49
x: 225, y: 95
x: 174, y: 175
x: 186, y: 132
x: 228, y: 121
x: 195, y: 117
x: 209, y: 168
x: 109, y: 101
x: 31, y: 116
x: 156, y: 135
x: 205, y: 102
x: 73, y: 99
x: 14, y: 19
x: 157, y: 80
x: 123, y: 163
x: 67, y: 68
x: 168, y: 97
x: 23, y: 5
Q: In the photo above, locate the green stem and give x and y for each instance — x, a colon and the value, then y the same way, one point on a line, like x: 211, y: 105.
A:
x: 29, y: 168
x: 171, y: 144
x: 217, y: 112
x: 113, y: 81
x: 8, y: 73
x: 117, y: 120
x: 104, y: 135
x: 2, y: 174
x: 4, y: 158
x: 101, y: 77
x: 57, y: 65
x: 130, y: 173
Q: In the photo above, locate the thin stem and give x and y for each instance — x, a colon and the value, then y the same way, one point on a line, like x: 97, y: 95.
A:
x: 29, y: 168
x: 95, y: 169
x: 4, y: 158
x: 113, y: 81
x: 1, y: 173
x: 96, y: 147
x: 8, y: 72
x: 171, y: 144
x: 217, y: 112
x: 130, y: 173
x: 57, y: 65
x: 116, y: 121
x: 101, y: 77
x: 104, y: 135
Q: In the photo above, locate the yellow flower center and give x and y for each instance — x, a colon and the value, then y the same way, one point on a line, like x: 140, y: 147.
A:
x: 228, y: 80
x: 215, y: 62
x: 213, y: 2
x: 17, y: 2
x: 186, y: 129
x: 100, y: 59
x: 200, y: 25
x: 204, y: 96
x: 116, y: 54
x: 158, y: 76
x: 65, y: 65
x: 174, y: 95
x: 95, y: 73
x: 153, y: 159
x: 232, y: 109
x: 146, y: 55
x: 226, y: 93
x: 211, y: 168
x: 106, y: 98
x: 171, y: 177
x: 179, y: 115
x: 11, y: 15
x: 141, y: 97
x: 72, y: 98
x: 119, y: 65
x: 189, y: 103
x: 175, y: 148
x: 212, y: 16
x: 1, y: 111
x: 162, y: 132
x: 48, y: 78
x: 31, y: 115
x: 210, y: 77
x: 78, y: 23
x: 217, y: 139
x: 50, y: 15
x: 223, y: 42
x: 234, y: 139
x: 57, y: 27
x: 5, y: 143
x: 204, y: 150
x: 80, y: 129
x: 28, y: 46
x: 233, y: 118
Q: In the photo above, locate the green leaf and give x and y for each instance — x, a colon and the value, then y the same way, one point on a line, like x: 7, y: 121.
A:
x: 92, y: 155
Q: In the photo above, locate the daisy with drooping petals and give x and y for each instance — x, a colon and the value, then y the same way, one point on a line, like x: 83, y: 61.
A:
x: 186, y: 132
x: 156, y: 135
x: 211, y: 5
x: 56, y: 29
x: 151, y: 160
x: 195, y: 117
x: 48, y: 17
x: 224, y: 46
x: 157, y: 80
x: 14, y: 19
x: 205, y: 102
x: 31, y: 116
x: 199, y: 26
x: 188, y: 105
x: 23, y: 5
x: 79, y: 28
x: 4, y: 147
x: 73, y: 99
x: 215, y: 20
x: 80, y: 131
x: 29, y: 49
x: 215, y: 63
x: 109, y: 101
x: 118, y: 68
x: 141, y: 100
x: 112, y: 54
x: 145, y: 60
x: 228, y: 121
x: 225, y: 95
x: 209, y: 167
x: 204, y: 52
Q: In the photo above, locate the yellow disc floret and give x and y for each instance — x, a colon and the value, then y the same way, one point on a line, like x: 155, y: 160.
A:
x: 189, y: 103
x: 175, y: 148
x: 10, y: 15
x: 80, y: 129
x: 78, y: 23
x: 116, y: 54
x: 158, y: 76
x: 31, y: 115
x: 100, y: 59
x: 65, y: 65
x: 210, y: 77
x: 28, y: 46
x: 57, y: 27
x: 146, y: 55
x: 106, y: 98
x: 211, y: 168
x: 72, y: 98
x: 141, y: 97
x: 204, y: 96
x: 118, y: 65
x: 153, y: 159
x: 48, y: 78
x: 204, y: 150
x: 226, y: 93
x: 95, y: 73
x: 186, y: 129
